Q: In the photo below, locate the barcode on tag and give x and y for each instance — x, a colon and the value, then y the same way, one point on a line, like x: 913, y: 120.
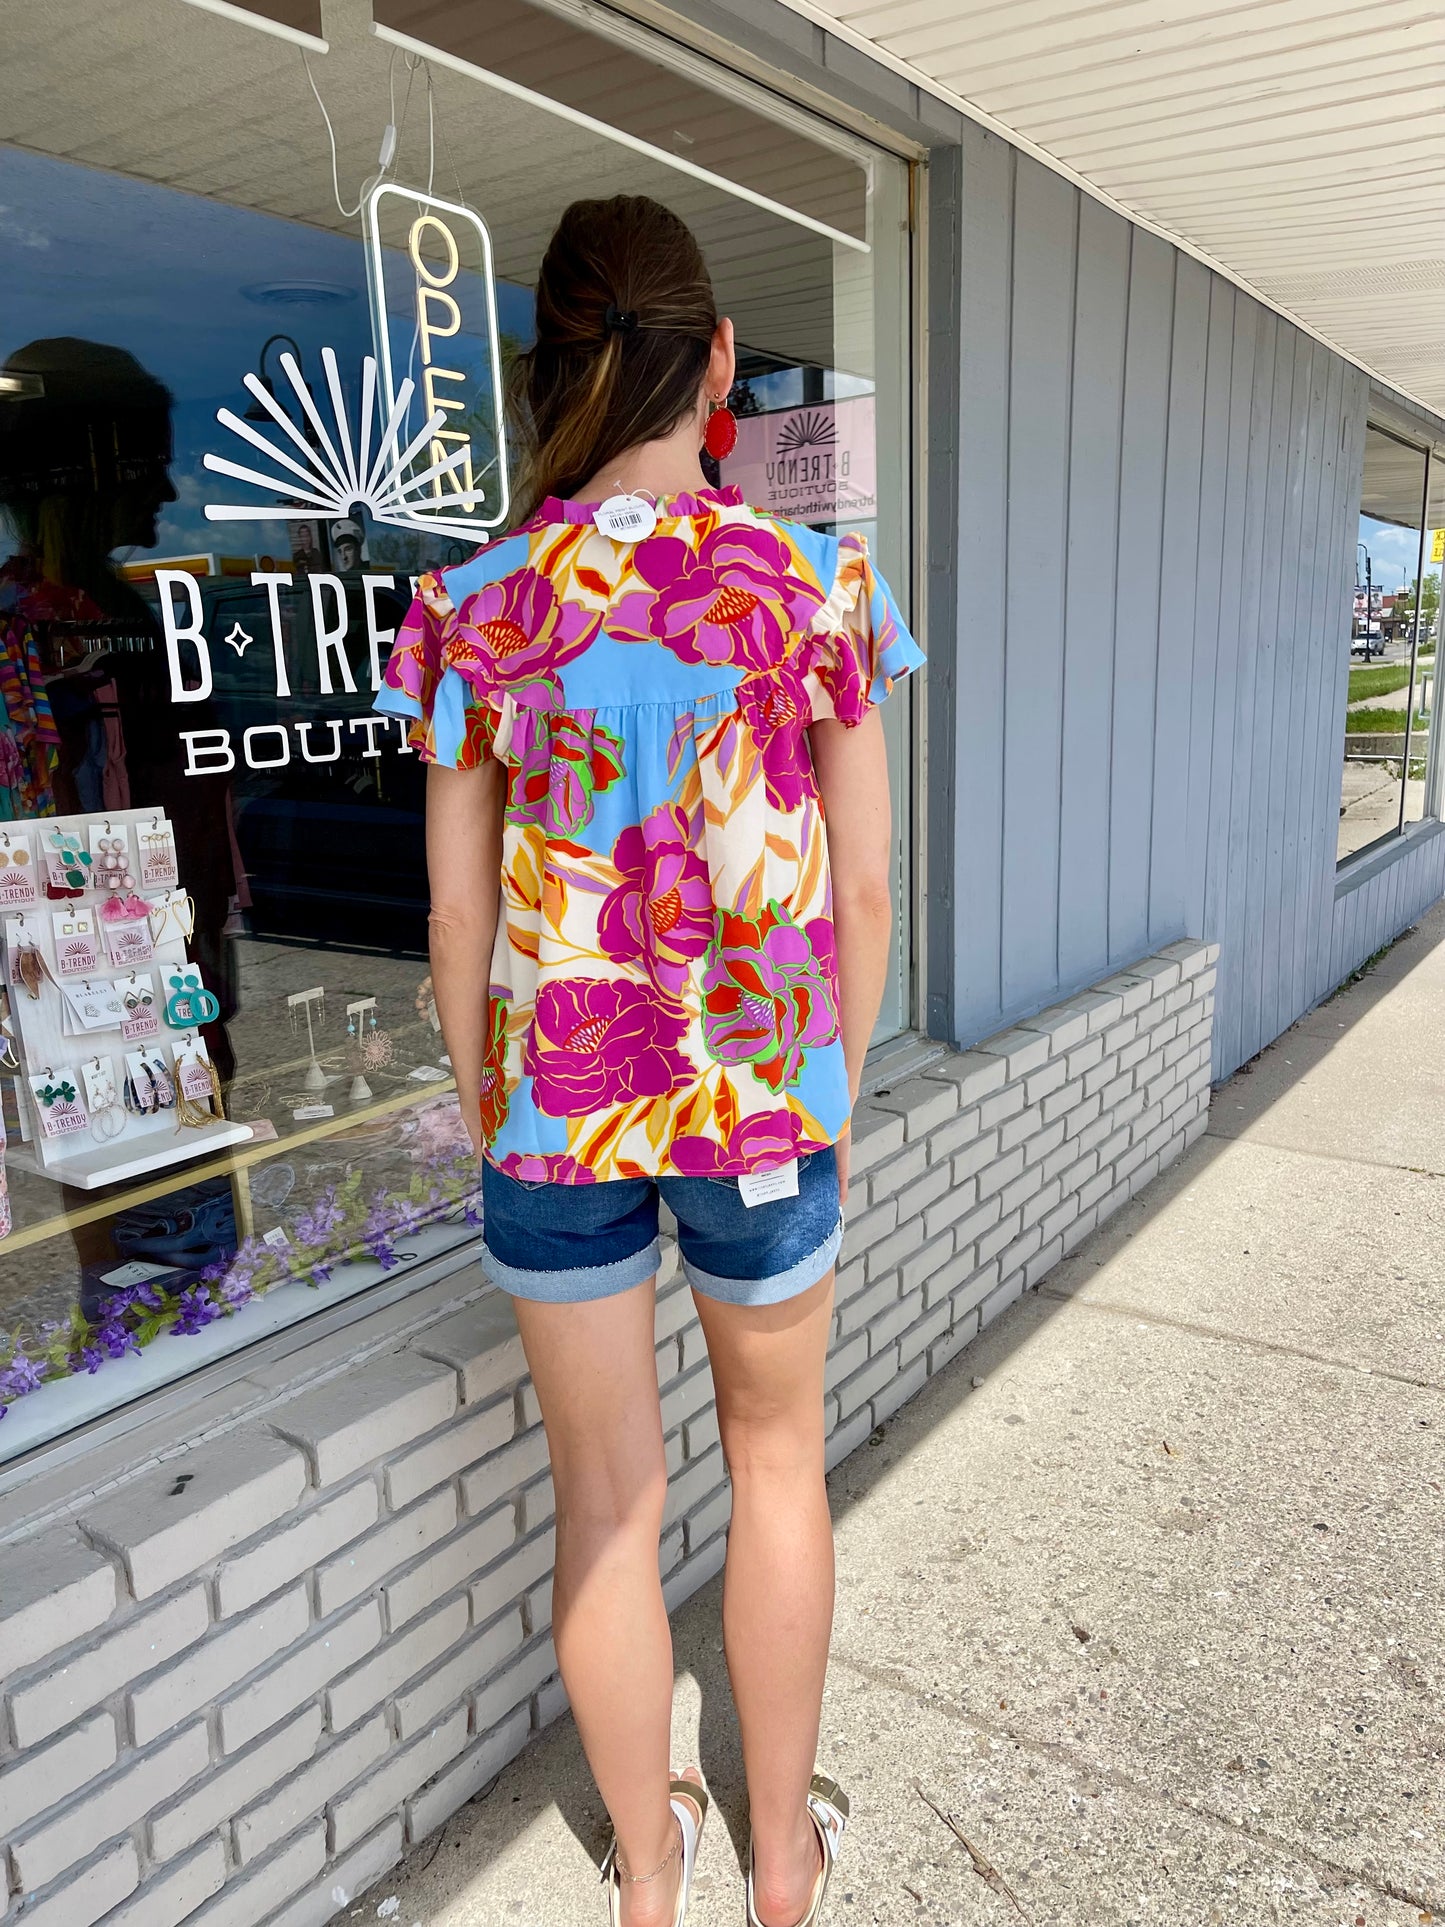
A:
x: 626, y: 518
x: 276, y: 1238
x: 762, y: 1187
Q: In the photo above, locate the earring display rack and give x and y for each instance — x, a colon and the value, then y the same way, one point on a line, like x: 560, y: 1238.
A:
x: 149, y: 1141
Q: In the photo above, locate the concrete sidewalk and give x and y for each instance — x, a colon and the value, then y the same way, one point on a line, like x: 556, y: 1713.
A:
x: 1148, y: 1588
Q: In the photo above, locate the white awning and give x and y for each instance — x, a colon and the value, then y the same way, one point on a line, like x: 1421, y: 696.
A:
x: 1297, y: 144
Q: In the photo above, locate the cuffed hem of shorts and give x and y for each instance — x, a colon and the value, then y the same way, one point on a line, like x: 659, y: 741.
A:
x: 578, y: 1285
x: 769, y: 1291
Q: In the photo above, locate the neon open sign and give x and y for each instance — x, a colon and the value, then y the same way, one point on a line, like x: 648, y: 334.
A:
x: 434, y: 320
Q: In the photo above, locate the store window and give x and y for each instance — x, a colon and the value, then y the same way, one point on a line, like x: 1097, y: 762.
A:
x: 1391, y: 777
x: 259, y: 297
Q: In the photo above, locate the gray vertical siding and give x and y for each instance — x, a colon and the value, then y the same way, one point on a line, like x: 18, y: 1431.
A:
x: 1146, y: 667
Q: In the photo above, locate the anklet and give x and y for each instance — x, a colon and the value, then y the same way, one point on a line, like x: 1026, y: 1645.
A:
x: 637, y: 1879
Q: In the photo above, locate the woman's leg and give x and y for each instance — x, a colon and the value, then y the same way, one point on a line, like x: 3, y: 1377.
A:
x: 594, y: 1367
x: 767, y: 1365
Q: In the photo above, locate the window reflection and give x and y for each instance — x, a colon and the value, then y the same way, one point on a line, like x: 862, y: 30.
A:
x: 1387, y: 717
x: 174, y: 674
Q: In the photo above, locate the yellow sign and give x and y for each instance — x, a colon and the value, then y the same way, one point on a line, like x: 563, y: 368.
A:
x: 1437, y: 546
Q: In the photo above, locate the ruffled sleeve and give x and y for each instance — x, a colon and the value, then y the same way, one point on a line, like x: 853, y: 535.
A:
x: 863, y: 644
x: 451, y: 722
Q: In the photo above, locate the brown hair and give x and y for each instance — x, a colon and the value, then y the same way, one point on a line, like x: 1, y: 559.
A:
x: 625, y: 321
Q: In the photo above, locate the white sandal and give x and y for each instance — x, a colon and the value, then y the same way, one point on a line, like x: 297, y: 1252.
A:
x: 687, y: 1795
x: 828, y: 1810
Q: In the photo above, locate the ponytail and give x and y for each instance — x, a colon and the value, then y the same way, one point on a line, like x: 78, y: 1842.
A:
x: 625, y: 322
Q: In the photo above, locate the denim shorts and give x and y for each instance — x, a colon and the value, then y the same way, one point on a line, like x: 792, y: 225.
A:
x: 563, y: 1243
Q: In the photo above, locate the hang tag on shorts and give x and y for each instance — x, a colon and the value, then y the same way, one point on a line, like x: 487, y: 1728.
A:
x: 626, y: 518
x: 762, y: 1187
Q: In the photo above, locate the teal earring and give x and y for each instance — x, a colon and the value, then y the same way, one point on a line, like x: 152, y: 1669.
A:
x: 190, y: 1003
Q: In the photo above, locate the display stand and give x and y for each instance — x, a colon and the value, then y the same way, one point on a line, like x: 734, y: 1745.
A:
x: 107, y: 856
x: 96, y: 1165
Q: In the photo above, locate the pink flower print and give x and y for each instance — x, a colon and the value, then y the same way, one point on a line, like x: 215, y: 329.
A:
x: 733, y: 600
x: 517, y: 631
x: 853, y: 662
x: 545, y: 1167
x: 661, y: 914
x: 758, y: 1143
x: 598, y: 1044
x: 777, y: 709
x: 765, y: 1000
x: 561, y: 763
x: 825, y: 948
x: 415, y: 661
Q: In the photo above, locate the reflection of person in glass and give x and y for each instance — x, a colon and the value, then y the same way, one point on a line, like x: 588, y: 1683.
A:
x: 347, y: 543
x: 85, y: 453
x: 305, y: 556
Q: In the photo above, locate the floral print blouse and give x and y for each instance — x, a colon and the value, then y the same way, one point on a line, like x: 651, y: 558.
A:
x: 663, y: 988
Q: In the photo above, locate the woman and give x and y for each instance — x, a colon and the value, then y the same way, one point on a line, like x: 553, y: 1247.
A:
x: 634, y: 737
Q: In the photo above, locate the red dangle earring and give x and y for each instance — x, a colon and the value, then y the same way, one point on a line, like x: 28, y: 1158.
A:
x: 720, y: 437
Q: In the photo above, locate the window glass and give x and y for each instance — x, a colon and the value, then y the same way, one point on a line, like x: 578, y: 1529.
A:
x: 1422, y: 607
x: 1387, y: 729
x: 209, y: 845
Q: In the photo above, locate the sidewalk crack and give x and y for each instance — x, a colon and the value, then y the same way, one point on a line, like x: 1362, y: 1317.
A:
x: 1265, y: 1346
x: 1332, y: 1873
x: 1253, y: 1142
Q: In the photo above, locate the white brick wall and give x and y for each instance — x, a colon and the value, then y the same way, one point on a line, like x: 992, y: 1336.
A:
x: 231, y: 1699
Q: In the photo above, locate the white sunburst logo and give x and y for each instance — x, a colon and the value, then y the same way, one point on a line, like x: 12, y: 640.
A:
x: 333, y: 471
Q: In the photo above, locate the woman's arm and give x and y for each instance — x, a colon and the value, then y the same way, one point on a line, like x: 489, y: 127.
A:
x: 852, y: 768
x: 464, y: 866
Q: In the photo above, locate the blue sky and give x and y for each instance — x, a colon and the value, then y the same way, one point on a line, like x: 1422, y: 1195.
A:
x: 1394, y: 553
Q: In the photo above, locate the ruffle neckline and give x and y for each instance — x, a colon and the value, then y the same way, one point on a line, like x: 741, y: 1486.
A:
x: 552, y: 509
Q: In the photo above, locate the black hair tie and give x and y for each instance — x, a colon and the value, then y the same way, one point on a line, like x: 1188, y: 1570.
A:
x: 619, y: 321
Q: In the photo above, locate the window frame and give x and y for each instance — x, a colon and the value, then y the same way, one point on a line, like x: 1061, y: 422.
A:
x: 1431, y: 457
x: 218, y: 1379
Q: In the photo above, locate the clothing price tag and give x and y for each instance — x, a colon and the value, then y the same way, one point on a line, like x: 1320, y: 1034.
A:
x: 762, y: 1187
x: 626, y: 518
x: 135, y: 1273
x: 276, y: 1238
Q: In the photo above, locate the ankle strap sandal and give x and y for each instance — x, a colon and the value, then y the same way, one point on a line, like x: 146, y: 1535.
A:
x: 689, y: 1802
x: 828, y: 1810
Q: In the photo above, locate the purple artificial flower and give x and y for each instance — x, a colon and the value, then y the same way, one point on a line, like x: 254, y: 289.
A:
x: 195, y: 1310
x: 314, y: 1227
x: 379, y: 1230
x: 89, y: 1359
x: 20, y: 1376
x: 236, y: 1291
x: 116, y: 1338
